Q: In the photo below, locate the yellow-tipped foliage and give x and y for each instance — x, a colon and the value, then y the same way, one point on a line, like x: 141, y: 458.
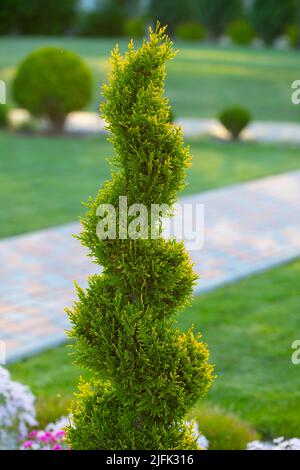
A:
x: 147, y: 373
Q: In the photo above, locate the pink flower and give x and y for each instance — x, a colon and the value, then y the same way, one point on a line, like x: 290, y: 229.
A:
x: 43, y: 437
x: 57, y: 447
x: 27, y: 444
x: 33, y: 434
x: 60, y: 433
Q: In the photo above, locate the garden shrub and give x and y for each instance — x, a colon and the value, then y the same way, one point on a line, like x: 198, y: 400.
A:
x: 190, y: 31
x: 52, y: 82
x: 135, y: 27
x: 235, y: 119
x: 106, y: 20
x: 218, y: 14
x: 147, y: 373
x: 4, y: 116
x: 293, y: 34
x: 270, y: 17
x: 241, y: 32
x: 224, y: 430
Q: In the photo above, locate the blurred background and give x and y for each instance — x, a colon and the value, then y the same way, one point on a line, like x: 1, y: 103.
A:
x: 230, y: 88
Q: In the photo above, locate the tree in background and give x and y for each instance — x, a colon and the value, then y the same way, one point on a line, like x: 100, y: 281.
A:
x: 271, y: 17
x: 216, y: 15
x: 37, y: 16
x: 147, y: 373
x: 171, y: 12
x: 106, y: 19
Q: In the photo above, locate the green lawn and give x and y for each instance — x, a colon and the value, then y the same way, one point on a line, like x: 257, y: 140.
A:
x: 249, y: 327
x: 202, y: 80
x: 44, y: 179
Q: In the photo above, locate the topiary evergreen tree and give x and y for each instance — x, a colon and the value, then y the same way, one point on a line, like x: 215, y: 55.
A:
x: 147, y: 373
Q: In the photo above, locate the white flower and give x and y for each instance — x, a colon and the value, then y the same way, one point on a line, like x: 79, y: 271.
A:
x: 17, y: 412
x: 277, y: 444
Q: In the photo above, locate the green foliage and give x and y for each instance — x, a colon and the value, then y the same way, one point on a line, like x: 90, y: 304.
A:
x: 4, y: 112
x: 253, y: 374
x: 135, y: 27
x: 37, y: 16
x: 270, y: 17
x: 293, y: 34
x: 241, y: 32
x: 8, y: 16
x: 171, y: 12
x: 52, y: 82
x: 190, y: 31
x: 217, y: 14
x: 147, y: 373
x: 224, y: 430
x: 106, y: 20
x: 235, y: 119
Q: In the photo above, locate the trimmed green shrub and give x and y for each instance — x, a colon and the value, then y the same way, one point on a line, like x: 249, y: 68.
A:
x: 235, y: 119
x: 4, y: 116
x: 293, y: 34
x: 147, y: 373
x: 52, y: 82
x: 270, y: 17
x: 241, y: 32
x: 190, y: 31
x: 135, y: 27
x: 224, y: 430
x: 37, y: 16
x: 216, y: 15
x: 106, y: 20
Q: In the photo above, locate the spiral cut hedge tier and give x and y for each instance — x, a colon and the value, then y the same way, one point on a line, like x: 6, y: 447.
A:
x: 147, y: 373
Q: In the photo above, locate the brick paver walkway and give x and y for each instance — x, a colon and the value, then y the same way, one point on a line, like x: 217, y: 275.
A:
x: 260, y: 131
x: 248, y: 228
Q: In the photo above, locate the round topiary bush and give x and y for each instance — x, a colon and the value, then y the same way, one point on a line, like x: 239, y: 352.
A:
x: 224, y: 430
x: 235, y: 119
x: 190, y: 31
x: 52, y: 82
x: 292, y: 33
x: 4, y: 119
x: 241, y: 32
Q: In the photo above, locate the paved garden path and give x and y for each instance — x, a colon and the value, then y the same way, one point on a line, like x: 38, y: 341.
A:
x: 261, y: 131
x: 248, y: 228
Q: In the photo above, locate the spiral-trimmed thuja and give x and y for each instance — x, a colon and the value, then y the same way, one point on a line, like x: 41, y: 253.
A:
x: 146, y: 373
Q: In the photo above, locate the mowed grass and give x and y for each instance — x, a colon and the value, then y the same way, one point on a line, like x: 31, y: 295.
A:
x: 201, y: 80
x: 43, y: 180
x: 249, y: 328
